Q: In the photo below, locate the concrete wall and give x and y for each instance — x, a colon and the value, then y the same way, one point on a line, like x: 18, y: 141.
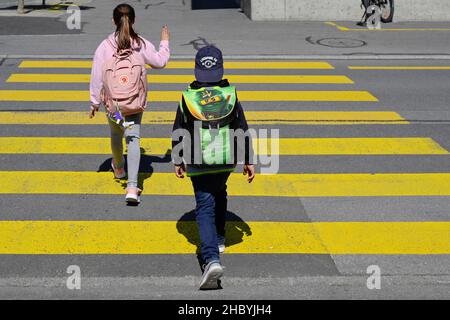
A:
x: 335, y: 10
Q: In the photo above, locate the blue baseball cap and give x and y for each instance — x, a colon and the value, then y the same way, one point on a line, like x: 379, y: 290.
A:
x: 208, y: 64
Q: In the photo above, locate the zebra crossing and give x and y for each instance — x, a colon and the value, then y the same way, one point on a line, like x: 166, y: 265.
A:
x: 253, y: 117
x: 286, y: 146
x: 269, y: 234
x: 131, y: 237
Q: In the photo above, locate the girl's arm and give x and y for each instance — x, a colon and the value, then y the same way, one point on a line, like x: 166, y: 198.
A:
x: 157, y: 59
x: 96, y: 83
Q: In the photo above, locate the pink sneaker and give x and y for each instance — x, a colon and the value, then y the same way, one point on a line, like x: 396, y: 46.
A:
x: 133, y: 195
x: 119, y: 173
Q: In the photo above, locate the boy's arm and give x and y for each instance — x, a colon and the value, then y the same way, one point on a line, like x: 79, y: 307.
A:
x: 242, y: 124
x: 177, y: 124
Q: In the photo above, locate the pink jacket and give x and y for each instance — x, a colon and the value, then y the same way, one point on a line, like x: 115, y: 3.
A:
x: 156, y: 59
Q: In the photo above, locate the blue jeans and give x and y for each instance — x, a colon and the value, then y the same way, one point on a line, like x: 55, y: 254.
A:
x: 211, y: 198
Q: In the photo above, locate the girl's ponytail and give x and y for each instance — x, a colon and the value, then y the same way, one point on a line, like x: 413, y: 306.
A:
x: 123, y: 39
x: 124, y: 17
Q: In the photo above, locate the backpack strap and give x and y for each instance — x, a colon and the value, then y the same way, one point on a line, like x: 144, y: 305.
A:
x: 183, y: 112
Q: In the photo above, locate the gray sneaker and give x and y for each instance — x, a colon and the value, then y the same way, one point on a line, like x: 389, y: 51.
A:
x: 213, y: 272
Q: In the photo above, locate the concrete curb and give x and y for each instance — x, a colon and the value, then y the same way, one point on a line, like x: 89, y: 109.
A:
x: 189, y: 280
x: 262, y: 57
x: 315, y: 287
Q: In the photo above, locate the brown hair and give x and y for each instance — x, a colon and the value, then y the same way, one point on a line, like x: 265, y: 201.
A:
x: 124, y: 17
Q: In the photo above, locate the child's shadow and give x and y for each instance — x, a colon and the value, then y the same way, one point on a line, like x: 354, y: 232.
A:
x: 235, y: 229
x: 145, y: 168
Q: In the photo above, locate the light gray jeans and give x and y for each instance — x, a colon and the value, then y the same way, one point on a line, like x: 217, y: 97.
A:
x: 132, y: 138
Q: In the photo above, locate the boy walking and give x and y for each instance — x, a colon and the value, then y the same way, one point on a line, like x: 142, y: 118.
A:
x: 209, y: 113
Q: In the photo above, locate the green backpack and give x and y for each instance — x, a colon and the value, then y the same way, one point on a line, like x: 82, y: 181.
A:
x: 214, y: 107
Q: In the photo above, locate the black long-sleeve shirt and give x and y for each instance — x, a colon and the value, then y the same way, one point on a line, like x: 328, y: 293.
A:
x: 239, y: 122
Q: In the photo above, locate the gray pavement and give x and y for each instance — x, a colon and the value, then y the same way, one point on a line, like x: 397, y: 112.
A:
x: 169, y: 288
x: 229, y: 29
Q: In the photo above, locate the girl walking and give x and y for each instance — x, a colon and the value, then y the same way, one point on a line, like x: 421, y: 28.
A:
x: 119, y: 81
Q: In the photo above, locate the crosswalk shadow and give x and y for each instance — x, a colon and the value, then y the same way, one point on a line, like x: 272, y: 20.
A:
x: 235, y: 230
x: 145, y: 165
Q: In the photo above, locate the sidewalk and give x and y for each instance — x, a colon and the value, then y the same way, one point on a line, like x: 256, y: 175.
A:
x: 169, y: 288
x: 229, y: 29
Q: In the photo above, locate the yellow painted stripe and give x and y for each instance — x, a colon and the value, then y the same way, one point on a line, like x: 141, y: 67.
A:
x: 279, y: 185
x: 156, y: 78
x: 349, y: 146
x: 399, y: 67
x: 397, y: 29
x: 337, y: 26
x: 342, y: 28
x: 174, y: 96
x: 253, y: 117
x: 323, y: 117
x: 286, y: 146
x: 173, y: 64
x: 170, y: 237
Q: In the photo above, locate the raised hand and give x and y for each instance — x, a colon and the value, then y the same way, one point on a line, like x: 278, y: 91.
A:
x: 165, y: 34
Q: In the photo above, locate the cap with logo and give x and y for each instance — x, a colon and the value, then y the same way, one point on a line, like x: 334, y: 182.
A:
x: 208, y: 64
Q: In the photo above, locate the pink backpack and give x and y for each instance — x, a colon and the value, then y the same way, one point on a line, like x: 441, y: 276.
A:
x: 125, y: 83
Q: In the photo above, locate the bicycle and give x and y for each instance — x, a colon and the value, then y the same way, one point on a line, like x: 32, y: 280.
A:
x: 386, y: 9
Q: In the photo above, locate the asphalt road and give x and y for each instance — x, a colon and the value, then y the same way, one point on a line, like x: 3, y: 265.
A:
x: 340, y: 207
x: 44, y: 32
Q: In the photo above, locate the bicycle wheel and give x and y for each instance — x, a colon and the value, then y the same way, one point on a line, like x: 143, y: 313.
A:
x: 387, y: 11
